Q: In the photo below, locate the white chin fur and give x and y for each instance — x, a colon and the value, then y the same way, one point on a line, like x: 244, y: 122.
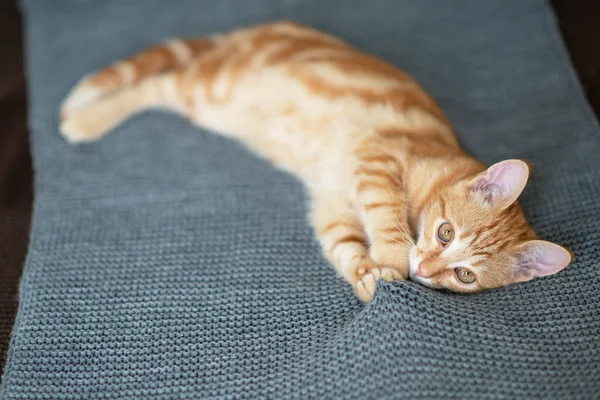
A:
x: 414, y: 265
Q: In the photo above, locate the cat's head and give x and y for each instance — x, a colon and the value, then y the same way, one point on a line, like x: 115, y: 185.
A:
x: 473, y: 236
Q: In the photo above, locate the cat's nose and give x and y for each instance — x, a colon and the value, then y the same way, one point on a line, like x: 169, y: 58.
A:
x: 424, y: 271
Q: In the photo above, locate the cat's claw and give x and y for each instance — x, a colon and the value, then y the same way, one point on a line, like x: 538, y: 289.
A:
x: 365, y: 286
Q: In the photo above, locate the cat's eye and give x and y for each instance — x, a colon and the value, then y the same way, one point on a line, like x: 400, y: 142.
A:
x: 445, y: 233
x: 464, y: 275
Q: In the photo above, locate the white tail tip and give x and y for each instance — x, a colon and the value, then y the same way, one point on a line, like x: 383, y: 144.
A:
x: 83, y: 94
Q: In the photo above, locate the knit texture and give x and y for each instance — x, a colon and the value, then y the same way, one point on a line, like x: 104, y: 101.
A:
x: 167, y: 262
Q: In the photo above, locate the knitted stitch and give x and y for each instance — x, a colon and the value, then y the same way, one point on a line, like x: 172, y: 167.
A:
x: 166, y: 262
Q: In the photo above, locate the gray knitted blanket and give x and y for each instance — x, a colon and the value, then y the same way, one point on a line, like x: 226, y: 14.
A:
x: 166, y: 262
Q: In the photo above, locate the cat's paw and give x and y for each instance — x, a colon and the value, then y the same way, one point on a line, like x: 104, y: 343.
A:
x: 365, y: 286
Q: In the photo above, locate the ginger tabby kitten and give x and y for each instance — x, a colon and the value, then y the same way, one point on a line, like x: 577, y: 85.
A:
x: 377, y: 156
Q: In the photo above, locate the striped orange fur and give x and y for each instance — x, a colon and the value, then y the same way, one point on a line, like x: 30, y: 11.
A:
x: 387, y: 177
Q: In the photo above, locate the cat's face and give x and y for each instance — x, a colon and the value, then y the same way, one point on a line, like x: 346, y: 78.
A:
x: 474, y: 236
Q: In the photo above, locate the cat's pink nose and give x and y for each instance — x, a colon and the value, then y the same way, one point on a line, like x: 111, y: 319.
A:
x: 424, y: 271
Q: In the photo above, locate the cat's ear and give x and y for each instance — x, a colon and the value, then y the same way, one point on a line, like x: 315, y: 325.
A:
x: 502, y: 183
x: 540, y: 258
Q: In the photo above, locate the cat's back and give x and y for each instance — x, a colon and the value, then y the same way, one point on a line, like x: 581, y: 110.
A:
x: 285, y: 65
x: 322, y: 63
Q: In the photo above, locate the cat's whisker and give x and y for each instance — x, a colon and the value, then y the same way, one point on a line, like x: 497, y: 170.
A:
x: 398, y: 227
x: 391, y: 238
x: 402, y: 231
x: 408, y: 235
x: 403, y: 244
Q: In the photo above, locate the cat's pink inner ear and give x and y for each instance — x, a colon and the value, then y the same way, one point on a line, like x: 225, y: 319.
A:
x: 540, y: 258
x: 502, y: 183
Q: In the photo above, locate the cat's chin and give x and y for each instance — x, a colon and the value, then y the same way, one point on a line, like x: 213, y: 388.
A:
x: 424, y: 281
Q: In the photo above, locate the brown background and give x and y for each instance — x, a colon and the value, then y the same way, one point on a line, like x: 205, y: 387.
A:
x: 579, y: 22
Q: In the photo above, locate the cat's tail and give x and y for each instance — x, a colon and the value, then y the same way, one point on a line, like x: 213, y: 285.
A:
x: 96, y: 118
x: 149, y: 62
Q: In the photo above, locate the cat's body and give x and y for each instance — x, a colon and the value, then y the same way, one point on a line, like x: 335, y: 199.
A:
x: 376, y: 154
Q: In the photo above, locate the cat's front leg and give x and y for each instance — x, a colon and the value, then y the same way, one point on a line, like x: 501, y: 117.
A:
x: 381, y: 202
x: 342, y: 236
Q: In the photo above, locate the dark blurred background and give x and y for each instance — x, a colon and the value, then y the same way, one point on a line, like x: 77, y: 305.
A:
x: 579, y: 22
